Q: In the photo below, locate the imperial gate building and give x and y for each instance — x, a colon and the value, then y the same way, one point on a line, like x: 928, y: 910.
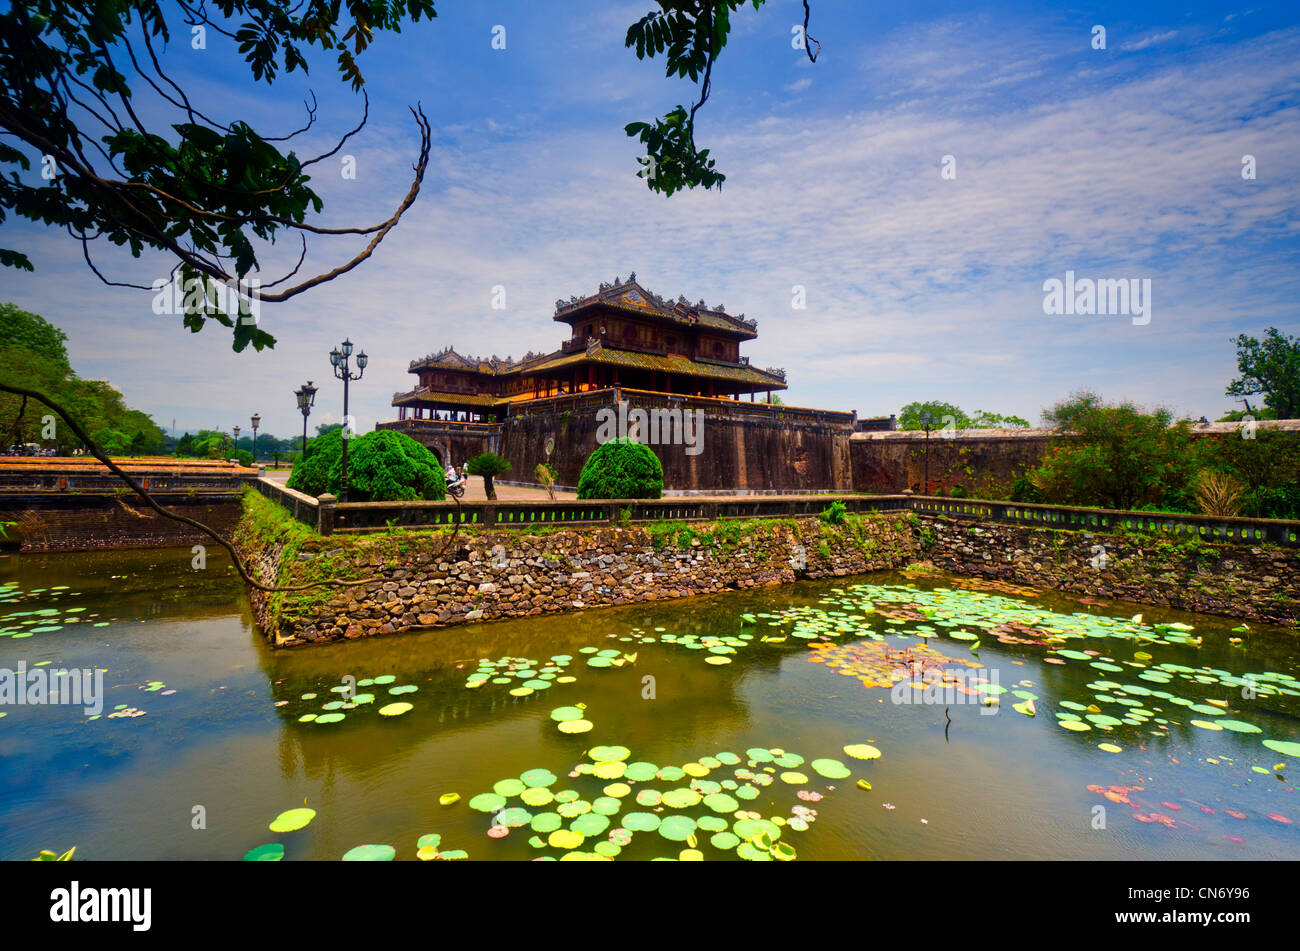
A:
x: 628, y: 345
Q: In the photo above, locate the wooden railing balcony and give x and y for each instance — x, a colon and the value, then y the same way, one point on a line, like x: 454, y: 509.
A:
x: 441, y: 427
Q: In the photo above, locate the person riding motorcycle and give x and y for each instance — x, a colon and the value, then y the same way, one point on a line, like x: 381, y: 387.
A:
x: 455, y: 481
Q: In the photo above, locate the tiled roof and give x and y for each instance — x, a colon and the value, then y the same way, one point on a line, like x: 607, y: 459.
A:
x: 671, y: 363
x: 631, y: 296
x: 426, y: 396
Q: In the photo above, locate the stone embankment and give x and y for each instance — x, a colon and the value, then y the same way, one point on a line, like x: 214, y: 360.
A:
x: 420, y: 579
x: 1261, y: 582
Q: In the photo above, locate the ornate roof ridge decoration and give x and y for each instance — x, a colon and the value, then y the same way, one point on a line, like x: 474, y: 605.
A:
x: 613, y: 292
x: 449, y: 357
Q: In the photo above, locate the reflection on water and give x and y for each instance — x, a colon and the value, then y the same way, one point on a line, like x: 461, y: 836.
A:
x: 223, y: 745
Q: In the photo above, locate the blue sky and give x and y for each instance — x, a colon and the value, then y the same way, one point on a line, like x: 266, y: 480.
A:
x: 1116, y: 163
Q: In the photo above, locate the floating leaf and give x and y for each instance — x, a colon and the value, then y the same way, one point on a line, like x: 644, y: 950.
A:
x: 830, y: 768
x: 271, y: 852
x: 370, y: 853
x: 862, y: 751
x: 292, y: 820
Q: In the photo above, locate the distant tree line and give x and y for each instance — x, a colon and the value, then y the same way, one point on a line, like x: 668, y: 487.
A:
x: 33, y: 354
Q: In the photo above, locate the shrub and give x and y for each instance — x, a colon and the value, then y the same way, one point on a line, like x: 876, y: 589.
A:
x: 621, y: 469
x: 1117, y: 457
x: 835, y: 513
x: 546, y: 476
x: 244, y: 457
x: 1024, y: 490
x: 1280, y: 502
x: 311, y: 471
x: 1218, y: 493
x: 385, y: 466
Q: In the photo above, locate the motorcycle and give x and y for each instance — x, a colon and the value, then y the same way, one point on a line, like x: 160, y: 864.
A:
x: 456, y: 490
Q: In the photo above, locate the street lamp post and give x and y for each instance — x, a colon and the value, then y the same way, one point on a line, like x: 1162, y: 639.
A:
x: 257, y: 421
x: 306, y: 395
x: 236, y: 446
x: 339, y: 358
x: 926, y: 422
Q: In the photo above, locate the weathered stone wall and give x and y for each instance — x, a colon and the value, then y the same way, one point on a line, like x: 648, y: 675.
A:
x: 1258, y: 582
x: 418, y: 582
x: 983, y: 466
x: 84, y: 523
x: 735, y: 453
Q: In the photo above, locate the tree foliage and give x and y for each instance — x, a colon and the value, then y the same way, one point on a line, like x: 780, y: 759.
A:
x: 947, y: 415
x: 488, y: 465
x: 205, y: 444
x: 911, y: 415
x: 691, y: 35
x: 1116, y: 456
x: 129, y: 159
x: 621, y: 469
x: 1123, y: 457
x: 1271, y: 367
x: 32, y: 355
x: 18, y: 328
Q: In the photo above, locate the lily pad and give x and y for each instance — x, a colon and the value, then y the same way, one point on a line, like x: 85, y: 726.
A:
x: 830, y: 768
x: 862, y: 751
x: 370, y: 853
x: 292, y: 820
x: 271, y: 852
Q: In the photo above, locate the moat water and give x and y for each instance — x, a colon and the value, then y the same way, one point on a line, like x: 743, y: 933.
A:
x: 1146, y: 741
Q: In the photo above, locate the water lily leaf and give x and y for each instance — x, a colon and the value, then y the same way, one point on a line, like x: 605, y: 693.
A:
x: 487, y: 802
x: 271, y: 852
x: 292, y: 820
x: 830, y: 768
x: 370, y: 853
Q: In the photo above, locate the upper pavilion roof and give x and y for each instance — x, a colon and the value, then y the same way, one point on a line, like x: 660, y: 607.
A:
x: 630, y: 296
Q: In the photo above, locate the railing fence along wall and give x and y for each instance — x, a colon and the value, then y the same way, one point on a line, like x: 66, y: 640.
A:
x: 329, y: 516
x: 1111, y: 521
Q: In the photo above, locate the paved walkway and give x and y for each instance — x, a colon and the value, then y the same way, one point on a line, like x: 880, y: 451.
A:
x: 473, y: 489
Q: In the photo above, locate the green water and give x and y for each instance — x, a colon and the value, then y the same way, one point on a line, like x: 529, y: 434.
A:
x: 986, y: 785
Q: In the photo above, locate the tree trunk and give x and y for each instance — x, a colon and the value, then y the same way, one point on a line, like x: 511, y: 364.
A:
x: 489, y: 488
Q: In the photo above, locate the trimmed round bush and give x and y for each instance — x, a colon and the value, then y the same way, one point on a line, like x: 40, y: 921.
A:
x: 621, y: 469
x: 311, y: 471
x: 384, y: 466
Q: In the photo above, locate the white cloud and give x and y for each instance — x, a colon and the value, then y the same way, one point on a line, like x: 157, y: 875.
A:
x: 1151, y: 40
